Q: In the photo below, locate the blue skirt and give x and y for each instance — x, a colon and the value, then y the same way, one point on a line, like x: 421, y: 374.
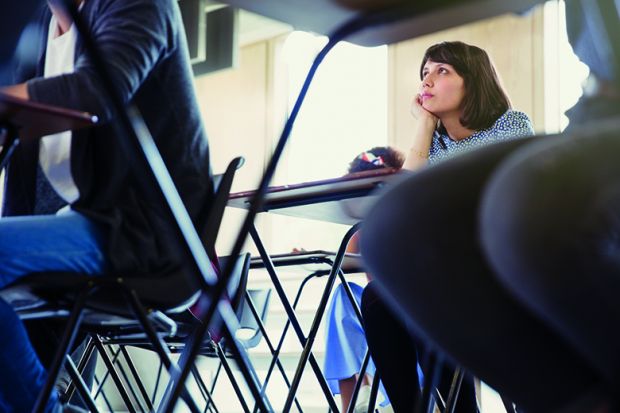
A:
x: 345, y: 345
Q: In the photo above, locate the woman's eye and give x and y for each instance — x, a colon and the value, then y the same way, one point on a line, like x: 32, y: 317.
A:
x: 443, y: 70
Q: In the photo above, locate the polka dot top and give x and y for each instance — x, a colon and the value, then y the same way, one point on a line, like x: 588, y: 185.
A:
x: 511, y: 124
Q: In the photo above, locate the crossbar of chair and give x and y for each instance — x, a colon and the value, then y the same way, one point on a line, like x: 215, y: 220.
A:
x: 276, y: 354
x: 134, y: 373
x: 207, y: 396
x: 66, y: 342
x: 293, y: 318
x: 84, y: 359
x: 114, y: 374
x: 105, y: 398
x: 306, y: 353
x: 100, y: 383
x: 358, y: 382
x: 217, y: 374
x: 455, y: 388
x: 299, y: 260
x: 434, y: 361
x: 272, y: 350
x: 374, y: 391
x: 81, y: 386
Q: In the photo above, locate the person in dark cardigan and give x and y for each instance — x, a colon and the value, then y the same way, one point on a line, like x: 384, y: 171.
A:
x: 71, y: 202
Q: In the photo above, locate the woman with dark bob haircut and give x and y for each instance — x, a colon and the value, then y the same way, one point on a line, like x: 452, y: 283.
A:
x: 460, y: 104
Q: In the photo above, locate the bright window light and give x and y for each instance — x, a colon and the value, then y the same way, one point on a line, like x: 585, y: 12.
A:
x: 345, y: 111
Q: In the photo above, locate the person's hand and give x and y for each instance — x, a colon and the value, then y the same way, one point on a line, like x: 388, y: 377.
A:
x: 18, y: 91
x: 421, y: 114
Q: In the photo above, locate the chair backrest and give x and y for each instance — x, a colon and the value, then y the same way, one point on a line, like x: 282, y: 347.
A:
x: 182, y: 287
x: 210, y: 225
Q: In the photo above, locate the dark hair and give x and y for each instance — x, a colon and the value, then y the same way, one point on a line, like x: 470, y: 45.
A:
x: 485, y: 99
x: 378, y: 157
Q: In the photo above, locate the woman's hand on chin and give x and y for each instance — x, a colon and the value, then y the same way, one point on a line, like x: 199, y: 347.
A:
x: 421, y: 114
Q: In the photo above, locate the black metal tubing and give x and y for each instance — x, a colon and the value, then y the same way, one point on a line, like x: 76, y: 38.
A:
x: 358, y: 313
x: 426, y: 402
x: 135, y: 397
x: 272, y: 350
x: 115, y: 357
x: 115, y: 377
x: 84, y: 359
x: 158, y: 345
x: 157, y: 379
x: 283, y: 336
x: 358, y: 382
x: 66, y: 342
x: 231, y: 377
x: 318, y: 273
x: 134, y: 373
x: 374, y: 390
x: 83, y: 390
x: 217, y: 374
x: 508, y: 405
x: 105, y: 398
x: 455, y: 388
x: 203, y: 390
x: 290, y: 312
x: 319, y: 315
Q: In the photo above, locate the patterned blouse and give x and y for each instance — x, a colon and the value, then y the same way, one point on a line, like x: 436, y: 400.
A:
x: 511, y: 124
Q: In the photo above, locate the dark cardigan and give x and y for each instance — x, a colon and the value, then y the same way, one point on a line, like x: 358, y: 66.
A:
x: 143, y: 43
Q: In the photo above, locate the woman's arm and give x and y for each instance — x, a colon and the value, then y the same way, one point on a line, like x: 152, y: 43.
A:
x: 426, y: 123
x: 132, y: 37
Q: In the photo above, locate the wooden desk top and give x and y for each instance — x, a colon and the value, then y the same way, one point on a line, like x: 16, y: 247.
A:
x: 33, y: 120
x: 343, y: 200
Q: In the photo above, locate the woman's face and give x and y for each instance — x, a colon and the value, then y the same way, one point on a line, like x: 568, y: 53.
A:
x: 442, y: 89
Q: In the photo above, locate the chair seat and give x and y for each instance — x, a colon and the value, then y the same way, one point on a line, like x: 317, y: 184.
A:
x: 57, y: 289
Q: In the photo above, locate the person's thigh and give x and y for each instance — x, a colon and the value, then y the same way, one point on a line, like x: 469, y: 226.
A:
x: 421, y: 243
x: 67, y: 242
x: 550, y: 226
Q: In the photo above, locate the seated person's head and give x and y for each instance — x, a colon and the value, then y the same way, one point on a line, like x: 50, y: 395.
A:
x: 481, y: 100
x: 378, y: 157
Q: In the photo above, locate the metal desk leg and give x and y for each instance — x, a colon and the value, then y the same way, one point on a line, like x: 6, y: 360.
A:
x: 296, y: 326
x: 274, y: 352
x: 306, y: 354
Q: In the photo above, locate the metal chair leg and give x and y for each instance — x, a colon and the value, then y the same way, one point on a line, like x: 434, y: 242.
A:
x: 427, y: 402
x: 358, y: 382
x: 317, y: 319
x: 81, y: 386
x: 114, y: 374
x: 455, y: 388
x: 231, y: 377
x: 68, y: 337
x: 374, y: 391
x: 294, y: 322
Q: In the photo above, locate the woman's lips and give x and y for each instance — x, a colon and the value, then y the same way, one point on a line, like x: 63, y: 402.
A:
x: 425, y: 96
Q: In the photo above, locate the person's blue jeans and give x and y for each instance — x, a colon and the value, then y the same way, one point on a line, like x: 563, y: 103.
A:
x: 68, y: 242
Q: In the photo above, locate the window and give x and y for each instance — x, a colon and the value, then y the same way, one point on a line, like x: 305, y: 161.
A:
x: 345, y: 111
x: 564, y: 72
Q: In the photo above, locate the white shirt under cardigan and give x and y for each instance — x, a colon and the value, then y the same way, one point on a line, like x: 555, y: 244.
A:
x: 55, y: 150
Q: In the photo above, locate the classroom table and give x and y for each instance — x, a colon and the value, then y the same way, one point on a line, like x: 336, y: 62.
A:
x: 343, y: 200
